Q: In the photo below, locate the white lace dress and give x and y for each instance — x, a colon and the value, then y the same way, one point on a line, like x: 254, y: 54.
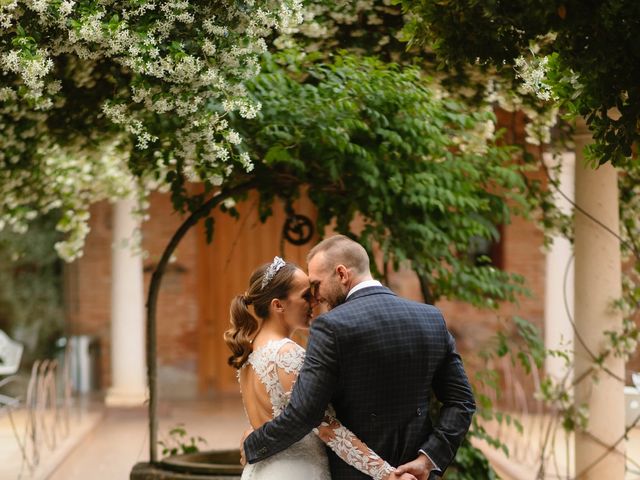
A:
x: 306, y: 459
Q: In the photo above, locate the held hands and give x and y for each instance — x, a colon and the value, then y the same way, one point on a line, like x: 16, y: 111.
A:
x: 247, y: 432
x: 400, y: 476
x: 420, y: 468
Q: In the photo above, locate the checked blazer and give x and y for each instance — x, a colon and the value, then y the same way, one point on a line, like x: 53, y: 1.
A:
x: 377, y: 358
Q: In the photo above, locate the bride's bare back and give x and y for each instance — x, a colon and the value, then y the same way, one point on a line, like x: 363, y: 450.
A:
x: 267, y: 378
x: 255, y: 398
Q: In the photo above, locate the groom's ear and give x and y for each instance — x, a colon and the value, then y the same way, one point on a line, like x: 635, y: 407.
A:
x: 343, y: 273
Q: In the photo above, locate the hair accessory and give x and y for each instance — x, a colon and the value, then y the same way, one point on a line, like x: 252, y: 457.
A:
x: 272, y: 269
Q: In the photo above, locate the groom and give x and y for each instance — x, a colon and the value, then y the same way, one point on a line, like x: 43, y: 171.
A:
x: 377, y: 358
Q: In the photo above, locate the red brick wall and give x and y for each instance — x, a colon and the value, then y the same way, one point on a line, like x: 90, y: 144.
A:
x: 89, y: 284
x: 178, y: 308
x: 88, y: 288
x: 88, y: 293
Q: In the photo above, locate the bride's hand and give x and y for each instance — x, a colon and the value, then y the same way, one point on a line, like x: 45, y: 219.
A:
x: 421, y: 467
x: 400, y: 476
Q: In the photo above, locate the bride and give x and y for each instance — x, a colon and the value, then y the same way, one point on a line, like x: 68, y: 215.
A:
x: 268, y: 363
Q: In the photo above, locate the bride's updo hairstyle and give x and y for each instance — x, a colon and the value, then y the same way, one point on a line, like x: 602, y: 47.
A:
x: 269, y: 281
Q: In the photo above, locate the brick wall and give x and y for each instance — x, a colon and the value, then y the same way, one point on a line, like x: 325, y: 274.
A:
x: 88, y: 295
x: 88, y: 283
x: 88, y: 288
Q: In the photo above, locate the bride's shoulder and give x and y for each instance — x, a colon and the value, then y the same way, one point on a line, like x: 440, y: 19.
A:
x: 289, y: 346
x: 290, y: 356
x: 277, y: 348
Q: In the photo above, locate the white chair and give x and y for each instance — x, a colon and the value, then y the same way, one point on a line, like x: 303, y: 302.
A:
x: 10, y: 355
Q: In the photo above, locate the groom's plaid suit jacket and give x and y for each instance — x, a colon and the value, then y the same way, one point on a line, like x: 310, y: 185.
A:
x: 377, y: 358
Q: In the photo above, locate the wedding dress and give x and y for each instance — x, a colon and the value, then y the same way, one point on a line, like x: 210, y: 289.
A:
x: 306, y: 459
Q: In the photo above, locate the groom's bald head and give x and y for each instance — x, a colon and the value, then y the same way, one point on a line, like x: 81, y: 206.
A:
x: 341, y: 250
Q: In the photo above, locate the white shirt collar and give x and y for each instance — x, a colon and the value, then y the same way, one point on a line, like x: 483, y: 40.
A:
x: 365, y: 284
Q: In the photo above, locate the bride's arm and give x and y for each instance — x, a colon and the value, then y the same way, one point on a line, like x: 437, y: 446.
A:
x: 340, y: 439
x: 309, y: 399
x: 351, y: 449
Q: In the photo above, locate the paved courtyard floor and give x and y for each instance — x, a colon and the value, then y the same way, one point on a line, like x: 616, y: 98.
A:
x: 104, y: 444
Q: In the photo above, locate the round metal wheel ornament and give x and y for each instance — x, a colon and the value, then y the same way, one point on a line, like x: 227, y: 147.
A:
x: 298, y: 229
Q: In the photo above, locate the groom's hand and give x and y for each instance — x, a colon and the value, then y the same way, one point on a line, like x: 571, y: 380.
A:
x: 420, y: 467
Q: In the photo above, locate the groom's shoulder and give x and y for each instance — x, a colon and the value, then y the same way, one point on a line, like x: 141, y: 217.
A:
x: 417, y: 308
x: 385, y: 296
x: 381, y: 300
x: 426, y: 307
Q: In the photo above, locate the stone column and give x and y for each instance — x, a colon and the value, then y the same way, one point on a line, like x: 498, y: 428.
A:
x: 559, y: 279
x: 597, y: 285
x: 128, y: 381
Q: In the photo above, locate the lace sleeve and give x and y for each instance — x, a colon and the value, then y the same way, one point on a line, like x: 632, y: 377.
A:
x: 288, y: 362
x: 351, y: 449
x: 341, y: 440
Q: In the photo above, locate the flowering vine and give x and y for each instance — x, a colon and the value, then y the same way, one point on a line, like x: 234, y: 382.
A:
x: 98, y: 97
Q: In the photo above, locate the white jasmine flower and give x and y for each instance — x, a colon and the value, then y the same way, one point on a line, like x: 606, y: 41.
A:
x: 246, y: 162
x: 181, y: 84
x: 234, y: 137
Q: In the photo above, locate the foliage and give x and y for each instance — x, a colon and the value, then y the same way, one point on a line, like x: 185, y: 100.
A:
x: 373, y: 139
x: 180, y: 443
x: 109, y: 99
x: 375, y: 27
x: 470, y: 464
x: 103, y: 100
x: 365, y: 27
x: 31, y: 288
x: 99, y: 99
x: 520, y: 342
x: 579, y: 57
x: 626, y: 341
x: 593, y: 66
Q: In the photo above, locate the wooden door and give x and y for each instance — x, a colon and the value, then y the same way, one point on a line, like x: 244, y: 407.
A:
x: 238, y: 247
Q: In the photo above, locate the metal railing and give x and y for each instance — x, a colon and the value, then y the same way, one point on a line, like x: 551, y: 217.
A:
x: 46, y: 410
